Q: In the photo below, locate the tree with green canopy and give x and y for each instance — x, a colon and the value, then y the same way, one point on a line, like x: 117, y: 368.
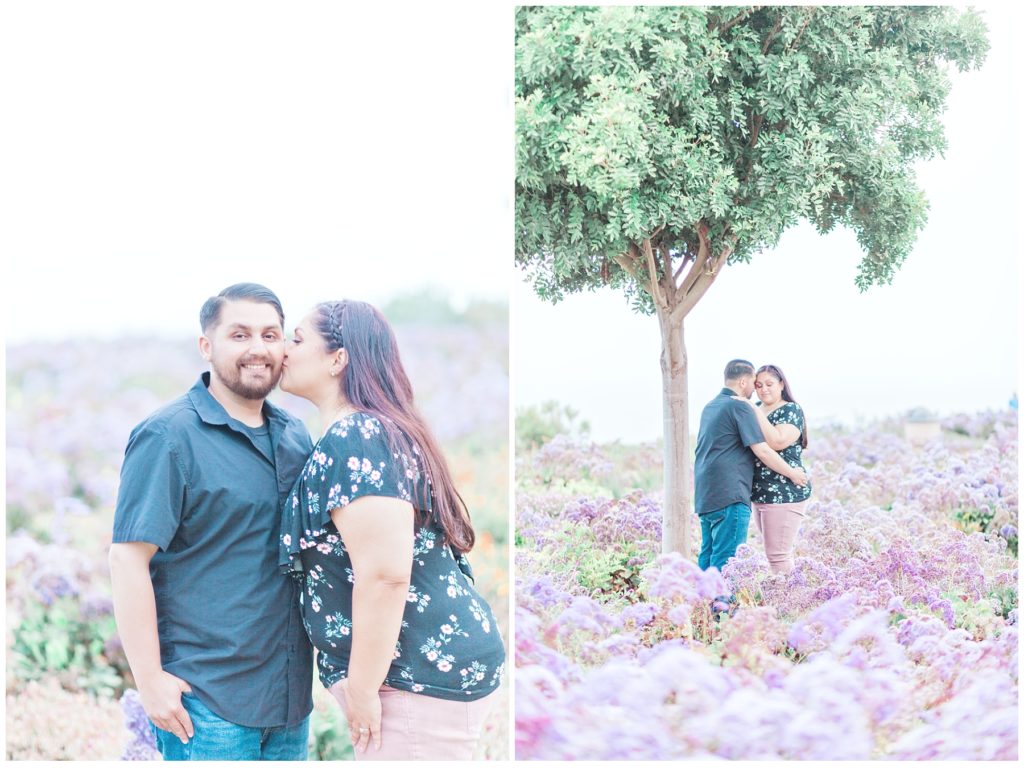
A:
x: 657, y: 145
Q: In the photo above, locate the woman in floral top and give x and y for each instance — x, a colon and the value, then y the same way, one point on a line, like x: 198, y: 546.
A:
x: 375, y: 533
x: 778, y: 503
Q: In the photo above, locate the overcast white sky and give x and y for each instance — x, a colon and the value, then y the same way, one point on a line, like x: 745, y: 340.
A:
x: 155, y: 153
x: 944, y: 335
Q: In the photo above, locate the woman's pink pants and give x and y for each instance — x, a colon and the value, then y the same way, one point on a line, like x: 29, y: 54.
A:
x: 414, y: 727
x: 778, y: 524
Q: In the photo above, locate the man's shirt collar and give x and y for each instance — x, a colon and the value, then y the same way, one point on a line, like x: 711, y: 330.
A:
x: 212, y: 412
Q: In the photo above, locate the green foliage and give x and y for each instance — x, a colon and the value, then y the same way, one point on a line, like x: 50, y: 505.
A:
x: 58, y: 639
x: 631, y: 120
x: 599, y: 570
x: 18, y: 518
x: 423, y: 306
x: 429, y: 305
x: 972, y: 521
x: 579, y: 467
x: 1004, y: 600
x: 537, y: 425
x: 328, y: 734
x: 481, y: 467
x: 980, y: 618
x: 481, y: 313
x: 609, y: 572
x: 634, y: 467
x: 553, y: 475
x: 985, y: 522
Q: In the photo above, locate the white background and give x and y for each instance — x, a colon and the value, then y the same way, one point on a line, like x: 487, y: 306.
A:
x: 154, y: 153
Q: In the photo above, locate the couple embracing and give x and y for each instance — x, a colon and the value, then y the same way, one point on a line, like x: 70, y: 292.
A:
x: 748, y: 460
x: 239, y: 545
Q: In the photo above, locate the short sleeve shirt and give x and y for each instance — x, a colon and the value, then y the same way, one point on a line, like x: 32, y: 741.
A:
x: 724, y: 464
x: 449, y: 645
x: 770, y: 487
x: 195, y: 484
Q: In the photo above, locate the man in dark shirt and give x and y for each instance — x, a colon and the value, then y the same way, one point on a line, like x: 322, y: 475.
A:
x: 728, y: 439
x: 211, y: 627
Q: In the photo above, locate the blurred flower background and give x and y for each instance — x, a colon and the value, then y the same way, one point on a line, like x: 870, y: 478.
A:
x: 70, y: 407
x: 894, y: 637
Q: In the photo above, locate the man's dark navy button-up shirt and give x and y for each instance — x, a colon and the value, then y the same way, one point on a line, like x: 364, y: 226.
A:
x: 723, y: 470
x: 194, y: 483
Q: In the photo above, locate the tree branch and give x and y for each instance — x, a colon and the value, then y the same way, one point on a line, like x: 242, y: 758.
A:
x: 699, y: 288
x: 668, y: 283
x: 682, y: 265
x: 807, y: 21
x: 737, y: 19
x: 698, y: 262
x: 755, y: 131
x: 652, y: 271
x: 772, y: 35
x: 630, y: 267
x: 756, y: 122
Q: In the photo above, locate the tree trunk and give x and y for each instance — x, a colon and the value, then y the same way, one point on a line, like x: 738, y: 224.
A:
x: 675, y: 531
x: 672, y: 302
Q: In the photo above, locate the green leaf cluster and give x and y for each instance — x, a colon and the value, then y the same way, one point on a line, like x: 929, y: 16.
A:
x: 537, y: 425
x: 328, y: 734
x: 984, y: 521
x: 58, y: 639
x: 740, y: 120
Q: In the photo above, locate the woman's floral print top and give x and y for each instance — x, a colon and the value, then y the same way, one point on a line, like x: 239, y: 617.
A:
x: 770, y: 487
x: 449, y: 645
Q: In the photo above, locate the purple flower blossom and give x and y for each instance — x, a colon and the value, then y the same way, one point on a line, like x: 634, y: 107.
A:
x: 141, y: 745
x: 638, y: 615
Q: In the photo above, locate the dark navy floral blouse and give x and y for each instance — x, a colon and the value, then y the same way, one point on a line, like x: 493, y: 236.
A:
x: 770, y: 487
x: 449, y: 645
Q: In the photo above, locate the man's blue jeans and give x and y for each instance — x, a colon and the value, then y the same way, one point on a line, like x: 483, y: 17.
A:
x: 720, y: 533
x: 217, y: 739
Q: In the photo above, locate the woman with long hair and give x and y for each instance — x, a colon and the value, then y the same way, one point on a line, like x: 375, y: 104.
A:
x: 778, y: 503
x: 376, y: 533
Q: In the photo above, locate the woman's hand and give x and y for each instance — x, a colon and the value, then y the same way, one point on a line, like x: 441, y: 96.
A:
x: 799, y: 477
x: 363, y: 711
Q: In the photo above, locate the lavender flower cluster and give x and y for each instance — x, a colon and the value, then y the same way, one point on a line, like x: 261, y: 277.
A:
x: 65, y: 434
x: 565, y: 459
x: 141, y: 745
x: 71, y: 405
x: 460, y: 375
x: 894, y: 637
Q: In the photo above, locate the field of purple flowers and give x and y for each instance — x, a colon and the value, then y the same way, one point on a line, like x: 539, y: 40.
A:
x: 70, y: 408
x: 895, y: 636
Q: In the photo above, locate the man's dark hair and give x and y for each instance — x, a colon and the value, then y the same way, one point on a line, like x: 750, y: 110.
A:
x: 737, y: 368
x: 209, y: 315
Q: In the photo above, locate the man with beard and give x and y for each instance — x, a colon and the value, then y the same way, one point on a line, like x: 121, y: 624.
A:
x: 210, y: 626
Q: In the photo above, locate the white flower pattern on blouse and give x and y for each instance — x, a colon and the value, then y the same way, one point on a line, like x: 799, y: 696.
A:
x: 769, y: 486
x: 449, y: 645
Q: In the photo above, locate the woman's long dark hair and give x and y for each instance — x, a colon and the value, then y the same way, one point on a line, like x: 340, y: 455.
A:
x: 375, y: 382
x: 787, y: 394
